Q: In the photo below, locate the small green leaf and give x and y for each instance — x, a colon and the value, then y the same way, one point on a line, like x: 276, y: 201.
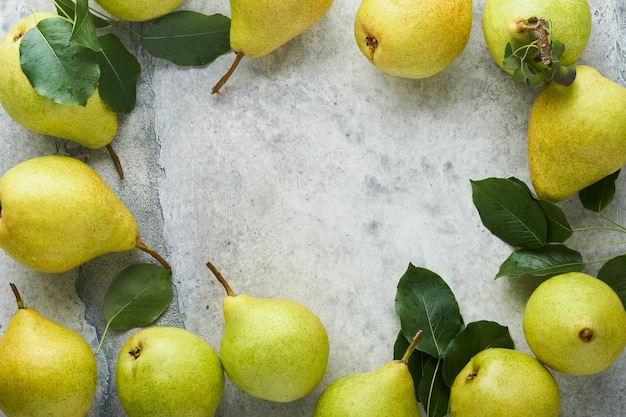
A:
x: 84, y: 30
x: 613, y: 273
x: 67, y: 8
x: 119, y: 72
x: 138, y: 296
x: 562, y: 74
x: 425, y: 302
x: 548, y: 260
x: 62, y: 71
x: 559, y: 229
x: 433, y: 393
x: 477, y: 336
x: 188, y: 38
x: 599, y: 195
x: 557, y: 49
x: 510, y: 212
x: 416, y: 360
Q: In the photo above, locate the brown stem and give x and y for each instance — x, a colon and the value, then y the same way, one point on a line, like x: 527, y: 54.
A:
x: 411, y: 348
x: 142, y: 246
x: 116, y: 161
x: 221, y: 279
x: 222, y: 81
x: 18, y: 297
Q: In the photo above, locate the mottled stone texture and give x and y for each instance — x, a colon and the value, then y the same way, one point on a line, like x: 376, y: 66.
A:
x: 316, y: 177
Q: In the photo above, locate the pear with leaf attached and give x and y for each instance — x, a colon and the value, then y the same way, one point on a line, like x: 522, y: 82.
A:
x: 56, y: 213
x: 139, y: 10
x: 261, y: 26
x: 387, y: 391
x: 47, y: 369
x: 93, y: 125
x: 576, y: 134
x: 275, y: 349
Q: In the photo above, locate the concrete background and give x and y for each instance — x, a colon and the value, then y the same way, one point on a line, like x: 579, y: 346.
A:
x: 319, y: 178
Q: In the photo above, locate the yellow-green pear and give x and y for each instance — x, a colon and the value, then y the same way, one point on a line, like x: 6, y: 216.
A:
x: 57, y: 213
x: 94, y: 125
x: 576, y: 134
x: 412, y: 39
x: 505, y: 21
x: 258, y: 27
x: 168, y: 372
x: 275, y: 349
x: 46, y: 369
x: 139, y: 10
x: 500, y: 382
x: 385, y: 392
x: 575, y: 324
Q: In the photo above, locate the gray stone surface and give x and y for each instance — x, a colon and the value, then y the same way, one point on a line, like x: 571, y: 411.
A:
x: 315, y: 177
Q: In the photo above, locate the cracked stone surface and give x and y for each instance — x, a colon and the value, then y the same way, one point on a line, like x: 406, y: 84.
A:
x: 316, y: 177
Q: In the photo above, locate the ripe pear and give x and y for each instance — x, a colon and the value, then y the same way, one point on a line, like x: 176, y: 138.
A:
x: 275, y: 349
x: 57, y: 213
x: 412, y: 39
x: 47, y: 369
x: 139, y: 10
x: 168, y: 372
x: 385, y: 392
x: 575, y: 324
x: 260, y: 27
x: 500, y: 382
x: 576, y: 134
x: 503, y: 22
x: 94, y: 125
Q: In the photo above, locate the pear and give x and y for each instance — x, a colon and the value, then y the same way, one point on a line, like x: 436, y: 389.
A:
x: 505, y: 21
x: 575, y: 324
x: 258, y: 27
x: 168, y: 372
x: 275, y: 349
x: 385, y: 392
x: 94, y: 125
x: 412, y: 39
x: 47, y: 370
x: 139, y: 10
x: 499, y: 382
x: 57, y: 213
x: 576, y: 134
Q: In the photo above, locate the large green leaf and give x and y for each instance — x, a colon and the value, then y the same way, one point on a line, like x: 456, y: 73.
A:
x: 137, y: 297
x: 84, y: 30
x: 432, y: 391
x: 188, y: 38
x: 119, y: 72
x: 613, y: 273
x: 510, y: 212
x: 600, y: 194
x: 548, y: 260
x: 477, y: 336
x: 559, y: 229
x: 62, y: 71
x: 425, y: 302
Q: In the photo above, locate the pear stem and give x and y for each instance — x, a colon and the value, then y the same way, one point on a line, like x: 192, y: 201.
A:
x: 116, y: 161
x: 411, y: 348
x: 222, y: 81
x: 142, y: 246
x: 18, y: 297
x: 221, y: 279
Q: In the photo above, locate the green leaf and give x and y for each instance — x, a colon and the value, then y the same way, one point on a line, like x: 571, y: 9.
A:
x: 510, y: 212
x: 599, y: 195
x: 433, y: 393
x: 477, y: 336
x: 416, y: 360
x: 548, y: 260
x: 84, y: 30
x: 559, y: 229
x: 425, y: 302
x: 119, y: 72
x: 62, y: 71
x: 563, y: 74
x: 67, y: 8
x: 188, y: 38
x: 557, y: 49
x: 613, y: 273
x: 138, y: 296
